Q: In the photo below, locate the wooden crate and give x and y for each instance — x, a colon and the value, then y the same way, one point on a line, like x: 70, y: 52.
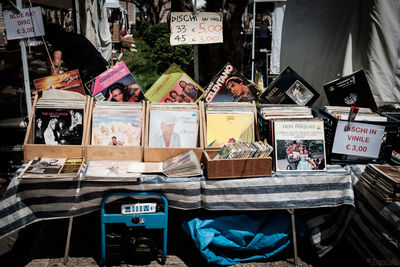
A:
x: 96, y: 152
x: 157, y: 154
x: 32, y: 150
x: 235, y: 168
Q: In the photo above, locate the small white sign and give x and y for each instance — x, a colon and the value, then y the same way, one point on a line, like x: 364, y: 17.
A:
x: 28, y: 23
x: 359, y: 139
x: 201, y: 28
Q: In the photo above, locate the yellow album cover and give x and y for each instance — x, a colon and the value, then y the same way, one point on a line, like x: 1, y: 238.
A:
x: 226, y: 128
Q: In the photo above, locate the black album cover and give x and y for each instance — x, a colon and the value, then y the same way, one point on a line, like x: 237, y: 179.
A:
x: 58, y: 126
x: 289, y: 88
x: 349, y: 90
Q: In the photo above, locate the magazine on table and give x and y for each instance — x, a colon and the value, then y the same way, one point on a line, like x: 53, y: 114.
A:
x: 289, y: 88
x: 175, y: 86
x: 182, y: 165
x: 229, y: 85
x: 229, y: 122
x: 350, y: 90
x: 116, y: 84
x: 175, y: 125
x: 117, y: 124
x: 69, y: 81
x: 299, y: 145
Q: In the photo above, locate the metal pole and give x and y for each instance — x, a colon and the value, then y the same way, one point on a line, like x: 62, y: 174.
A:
x: 27, y: 84
x: 253, y: 41
x: 196, y: 51
x: 293, y: 219
x: 77, y: 17
x: 67, y: 245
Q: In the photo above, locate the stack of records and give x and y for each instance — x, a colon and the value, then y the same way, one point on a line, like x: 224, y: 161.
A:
x: 364, y: 114
x: 182, y: 165
x: 59, y: 118
x: 55, y: 168
x: 173, y: 125
x: 383, y: 181
x: 229, y: 122
x: 117, y: 123
x: 282, y: 111
x: 244, y: 150
x: 111, y: 170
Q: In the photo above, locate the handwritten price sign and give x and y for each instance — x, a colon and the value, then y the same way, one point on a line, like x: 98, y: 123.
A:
x: 28, y: 23
x: 202, y: 28
x: 359, y: 139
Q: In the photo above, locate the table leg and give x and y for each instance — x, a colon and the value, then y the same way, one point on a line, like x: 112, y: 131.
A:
x: 66, y: 253
x: 293, y: 219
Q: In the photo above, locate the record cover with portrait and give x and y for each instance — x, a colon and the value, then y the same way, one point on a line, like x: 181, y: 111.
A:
x: 349, y: 90
x: 58, y: 126
x: 299, y: 145
x: 175, y: 86
x: 173, y: 128
x: 289, y: 88
x: 116, y: 84
x: 229, y: 85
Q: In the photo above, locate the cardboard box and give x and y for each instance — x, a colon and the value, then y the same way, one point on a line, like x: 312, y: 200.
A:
x: 235, y: 168
x: 157, y: 154
x: 32, y: 150
x: 96, y: 152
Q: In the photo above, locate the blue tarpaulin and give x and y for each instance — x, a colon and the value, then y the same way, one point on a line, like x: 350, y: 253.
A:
x: 228, y: 240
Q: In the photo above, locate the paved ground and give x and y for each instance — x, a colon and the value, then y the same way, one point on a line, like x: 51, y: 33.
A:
x: 42, y: 244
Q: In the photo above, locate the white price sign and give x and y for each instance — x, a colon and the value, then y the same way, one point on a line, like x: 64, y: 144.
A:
x: 28, y: 23
x: 202, y: 28
x: 359, y: 139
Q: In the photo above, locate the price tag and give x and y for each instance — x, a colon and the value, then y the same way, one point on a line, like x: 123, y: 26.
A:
x: 28, y: 23
x: 202, y: 28
x: 359, y: 139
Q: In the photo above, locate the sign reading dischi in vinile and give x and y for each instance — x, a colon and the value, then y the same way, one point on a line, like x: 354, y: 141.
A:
x: 359, y: 139
x: 199, y: 28
x: 27, y: 23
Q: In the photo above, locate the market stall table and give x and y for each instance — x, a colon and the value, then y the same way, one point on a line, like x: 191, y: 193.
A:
x: 28, y: 201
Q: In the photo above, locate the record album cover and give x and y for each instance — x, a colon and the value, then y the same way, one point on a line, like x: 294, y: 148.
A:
x: 229, y: 85
x: 349, y: 90
x: 175, y: 86
x: 58, y: 126
x: 69, y: 81
x: 289, y: 88
x: 299, y: 145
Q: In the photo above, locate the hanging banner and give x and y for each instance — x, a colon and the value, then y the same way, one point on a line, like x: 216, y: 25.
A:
x: 199, y: 28
x: 359, y: 139
x: 28, y: 23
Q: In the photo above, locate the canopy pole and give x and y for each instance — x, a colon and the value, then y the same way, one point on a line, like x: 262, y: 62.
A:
x: 253, y: 40
x: 22, y: 44
x: 77, y: 17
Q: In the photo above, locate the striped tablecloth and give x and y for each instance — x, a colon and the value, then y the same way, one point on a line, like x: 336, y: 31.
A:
x: 27, y: 201
x: 374, y: 230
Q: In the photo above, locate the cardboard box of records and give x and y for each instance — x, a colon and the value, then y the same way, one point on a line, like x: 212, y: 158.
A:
x: 115, y: 131
x: 232, y: 144
x: 172, y: 129
x: 57, y: 125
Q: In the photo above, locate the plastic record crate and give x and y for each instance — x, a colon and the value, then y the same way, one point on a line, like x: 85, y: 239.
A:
x: 390, y: 140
